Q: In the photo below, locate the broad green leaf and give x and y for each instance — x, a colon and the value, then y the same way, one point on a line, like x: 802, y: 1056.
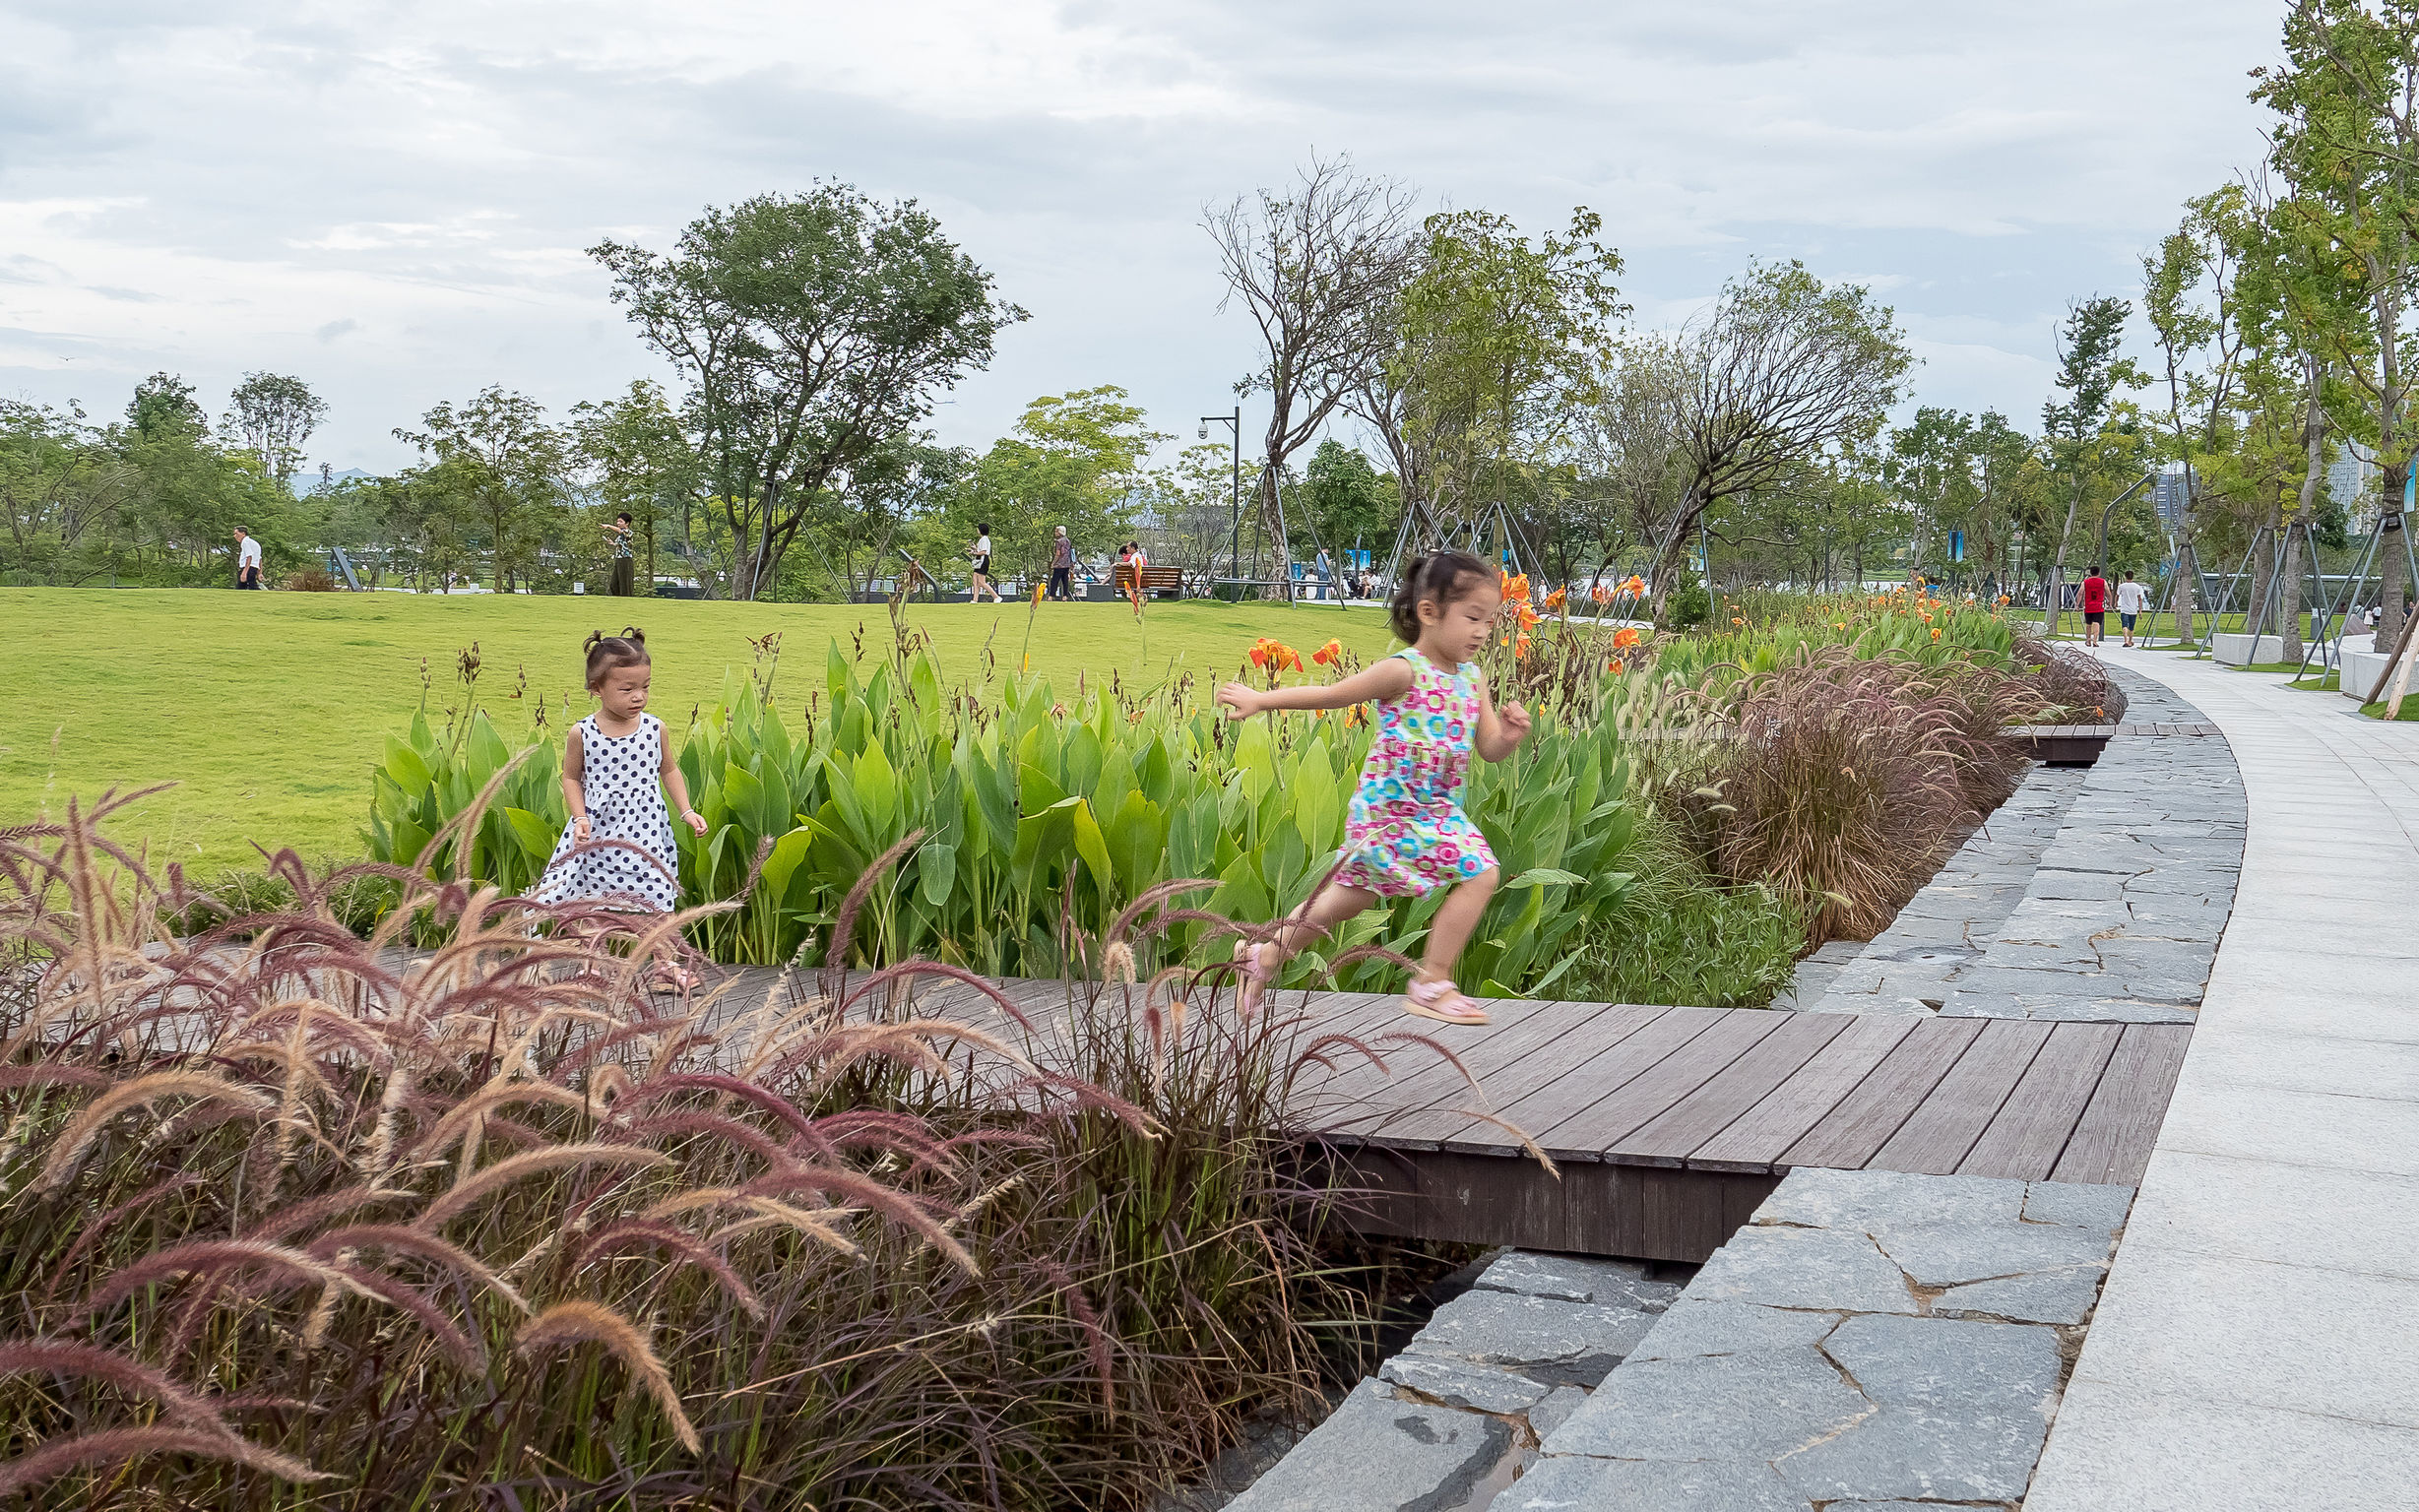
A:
x: 536, y: 838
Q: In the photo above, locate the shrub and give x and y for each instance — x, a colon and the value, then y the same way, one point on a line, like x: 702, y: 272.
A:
x: 310, y: 580
x: 309, y: 1223
x: 1688, y: 606
x: 1843, y: 780
x: 2072, y: 683
x: 1683, y: 939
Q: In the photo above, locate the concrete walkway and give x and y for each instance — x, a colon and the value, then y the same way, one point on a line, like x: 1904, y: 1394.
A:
x: 2258, y: 1342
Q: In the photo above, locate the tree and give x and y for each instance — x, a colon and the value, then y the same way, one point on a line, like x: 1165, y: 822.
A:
x: 811, y: 329
x: 2089, y: 372
x: 1316, y: 269
x: 1073, y: 459
x: 1780, y: 371
x: 638, y: 461
x: 506, y: 468
x: 162, y: 404
x: 1344, y: 500
x: 1497, y: 346
x: 2189, y: 298
x: 2346, y: 137
x: 272, y: 415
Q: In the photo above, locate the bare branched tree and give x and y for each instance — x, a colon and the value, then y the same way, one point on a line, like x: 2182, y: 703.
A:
x: 1314, y: 267
x: 1629, y: 441
x: 1779, y: 371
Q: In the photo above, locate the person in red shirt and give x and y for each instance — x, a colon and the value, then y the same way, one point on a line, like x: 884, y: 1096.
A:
x: 2095, y: 608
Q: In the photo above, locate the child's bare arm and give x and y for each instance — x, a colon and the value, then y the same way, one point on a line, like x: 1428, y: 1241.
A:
x: 1501, y: 730
x: 677, y: 784
x: 1390, y: 678
x: 575, y: 790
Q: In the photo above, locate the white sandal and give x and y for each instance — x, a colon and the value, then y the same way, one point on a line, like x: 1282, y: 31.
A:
x: 1437, y: 997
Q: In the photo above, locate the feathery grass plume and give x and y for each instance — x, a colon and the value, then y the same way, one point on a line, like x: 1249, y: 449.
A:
x: 566, y: 1324
x: 204, y: 1257
x: 65, y: 1356
x: 114, y: 1446
x: 513, y: 1167
x: 68, y: 1147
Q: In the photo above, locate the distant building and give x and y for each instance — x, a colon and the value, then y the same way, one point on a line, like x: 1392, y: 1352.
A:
x: 2170, y: 496
x: 2351, y: 478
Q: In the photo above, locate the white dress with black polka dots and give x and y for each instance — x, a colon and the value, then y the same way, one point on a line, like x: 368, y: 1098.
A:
x: 621, y: 778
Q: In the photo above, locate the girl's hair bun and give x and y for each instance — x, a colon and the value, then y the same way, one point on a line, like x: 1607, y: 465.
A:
x: 634, y: 635
x: 608, y: 654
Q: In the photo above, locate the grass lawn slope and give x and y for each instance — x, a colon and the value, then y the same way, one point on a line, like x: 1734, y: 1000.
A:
x: 267, y: 709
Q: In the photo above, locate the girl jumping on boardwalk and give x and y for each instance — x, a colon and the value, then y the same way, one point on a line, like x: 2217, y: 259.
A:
x: 617, y: 849
x: 1406, y: 833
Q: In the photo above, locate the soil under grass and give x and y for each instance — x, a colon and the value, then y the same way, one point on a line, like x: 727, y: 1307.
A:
x: 267, y: 709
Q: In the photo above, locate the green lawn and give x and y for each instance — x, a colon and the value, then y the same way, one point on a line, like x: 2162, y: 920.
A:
x: 267, y: 709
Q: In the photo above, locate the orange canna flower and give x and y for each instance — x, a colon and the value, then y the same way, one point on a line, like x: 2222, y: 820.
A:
x: 1332, y: 652
x: 1625, y: 638
x: 1036, y: 592
x: 1555, y: 600
x: 1735, y: 621
x: 1936, y: 633
x: 1520, y: 647
x: 1601, y: 593
x: 1636, y: 584
x: 1614, y: 665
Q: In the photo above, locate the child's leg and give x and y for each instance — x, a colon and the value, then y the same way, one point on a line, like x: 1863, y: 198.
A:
x: 1334, y: 904
x: 1451, y: 928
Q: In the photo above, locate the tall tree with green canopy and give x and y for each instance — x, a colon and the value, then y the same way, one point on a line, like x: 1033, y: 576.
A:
x: 2346, y: 137
x: 2090, y: 372
x: 272, y: 415
x: 639, y: 460
x: 2190, y: 298
x: 811, y: 329
x: 506, y: 467
x: 1781, y: 370
x: 1346, y: 500
x: 1497, y: 348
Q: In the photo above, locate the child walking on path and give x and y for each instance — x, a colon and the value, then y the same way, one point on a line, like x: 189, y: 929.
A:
x: 1406, y: 833
x: 617, y: 849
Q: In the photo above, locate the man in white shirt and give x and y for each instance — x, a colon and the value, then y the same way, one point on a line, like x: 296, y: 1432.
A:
x: 247, y: 559
x: 2132, y: 599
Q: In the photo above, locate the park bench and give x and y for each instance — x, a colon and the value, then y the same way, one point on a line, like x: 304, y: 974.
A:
x: 1156, y: 581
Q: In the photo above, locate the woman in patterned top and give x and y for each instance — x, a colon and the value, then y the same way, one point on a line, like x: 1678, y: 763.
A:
x: 617, y: 766
x: 1406, y: 834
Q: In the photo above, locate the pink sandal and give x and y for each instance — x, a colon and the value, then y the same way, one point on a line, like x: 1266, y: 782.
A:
x: 1437, y: 998
x: 1251, y: 977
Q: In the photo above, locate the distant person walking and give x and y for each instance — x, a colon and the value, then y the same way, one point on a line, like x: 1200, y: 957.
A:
x: 1326, y: 568
x: 624, y: 564
x: 2132, y: 599
x: 979, y: 554
x: 247, y: 559
x: 1062, y: 564
x: 2095, y: 608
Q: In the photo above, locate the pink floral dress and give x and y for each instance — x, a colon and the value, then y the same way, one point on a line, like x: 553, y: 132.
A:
x: 1406, y: 833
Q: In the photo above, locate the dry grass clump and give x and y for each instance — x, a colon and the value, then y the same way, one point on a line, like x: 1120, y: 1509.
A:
x: 2076, y: 688
x: 1841, y: 781
x: 291, y: 1218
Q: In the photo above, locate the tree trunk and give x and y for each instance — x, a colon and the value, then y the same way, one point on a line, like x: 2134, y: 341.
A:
x: 2392, y: 583
x: 2254, y: 607
x: 2289, y: 599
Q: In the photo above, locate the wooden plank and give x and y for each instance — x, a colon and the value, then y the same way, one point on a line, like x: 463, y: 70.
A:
x: 1541, y: 1029
x: 1945, y: 1124
x: 1372, y: 1020
x: 1634, y: 1212
x: 1582, y: 1083
x: 1755, y: 1140
x: 1868, y: 1116
x: 2030, y: 1131
x: 1674, y: 1134
x: 1596, y: 1129
x: 1448, y: 1117
x: 2112, y: 1142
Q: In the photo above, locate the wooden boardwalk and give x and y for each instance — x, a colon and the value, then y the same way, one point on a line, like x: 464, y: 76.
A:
x: 1669, y: 1126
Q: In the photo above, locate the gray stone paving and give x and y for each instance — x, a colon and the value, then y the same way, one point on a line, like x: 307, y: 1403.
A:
x: 2093, y: 894
x: 1494, y: 1370
x: 1868, y: 1339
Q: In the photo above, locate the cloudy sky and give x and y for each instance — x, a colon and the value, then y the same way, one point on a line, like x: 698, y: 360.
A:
x: 391, y: 200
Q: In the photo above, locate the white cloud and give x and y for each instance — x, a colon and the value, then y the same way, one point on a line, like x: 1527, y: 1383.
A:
x: 392, y: 198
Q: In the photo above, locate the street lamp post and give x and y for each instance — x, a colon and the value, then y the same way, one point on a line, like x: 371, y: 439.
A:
x: 1235, y: 424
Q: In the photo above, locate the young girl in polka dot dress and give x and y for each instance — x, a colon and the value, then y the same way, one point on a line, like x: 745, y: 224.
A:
x: 617, y: 849
x: 1406, y: 833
